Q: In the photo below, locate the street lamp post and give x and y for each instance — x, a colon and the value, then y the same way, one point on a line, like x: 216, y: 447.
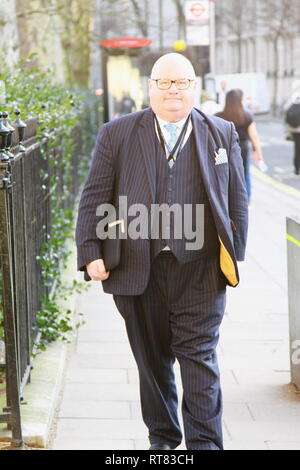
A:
x: 212, y: 37
x: 160, y: 15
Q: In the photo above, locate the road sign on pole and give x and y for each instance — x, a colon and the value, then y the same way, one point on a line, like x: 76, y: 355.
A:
x: 197, y: 11
x: 212, y: 37
x: 197, y: 34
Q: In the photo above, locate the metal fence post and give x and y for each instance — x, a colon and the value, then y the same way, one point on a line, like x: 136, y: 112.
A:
x: 25, y: 225
x: 293, y: 260
x: 12, y: 413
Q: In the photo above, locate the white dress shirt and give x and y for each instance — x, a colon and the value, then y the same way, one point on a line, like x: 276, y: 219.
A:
x: 179, y: 124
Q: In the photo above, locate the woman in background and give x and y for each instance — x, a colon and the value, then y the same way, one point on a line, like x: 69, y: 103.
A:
x: 246, y: 129
x: 294, y: 129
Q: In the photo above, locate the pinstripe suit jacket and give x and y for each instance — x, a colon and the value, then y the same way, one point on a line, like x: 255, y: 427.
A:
x: 123, y: 164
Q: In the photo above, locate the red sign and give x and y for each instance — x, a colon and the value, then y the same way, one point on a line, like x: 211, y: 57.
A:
x: 197, y: 12
x: 197, y: 9
x: 125, y: 43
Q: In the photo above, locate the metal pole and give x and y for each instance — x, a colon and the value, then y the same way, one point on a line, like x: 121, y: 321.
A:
x: 12, y: 372
x: 160, y: 16
x: 293, y: 259
x: 95, y: 72
x: 212, y: 37
x: 105, y: 86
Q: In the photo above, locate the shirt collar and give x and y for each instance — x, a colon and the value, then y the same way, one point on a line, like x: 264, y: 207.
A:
x: 179, y: 124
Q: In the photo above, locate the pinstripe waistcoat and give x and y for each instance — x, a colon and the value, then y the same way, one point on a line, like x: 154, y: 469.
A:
x: 182, y: 184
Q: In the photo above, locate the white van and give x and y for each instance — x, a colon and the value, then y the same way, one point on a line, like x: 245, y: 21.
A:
x: 254, y: 86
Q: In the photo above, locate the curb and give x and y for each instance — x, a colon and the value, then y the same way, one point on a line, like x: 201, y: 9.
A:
x: 291, y: 191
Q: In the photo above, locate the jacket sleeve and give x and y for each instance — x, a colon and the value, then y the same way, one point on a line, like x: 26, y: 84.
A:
x: 238, y: 198
x: 97, y: 190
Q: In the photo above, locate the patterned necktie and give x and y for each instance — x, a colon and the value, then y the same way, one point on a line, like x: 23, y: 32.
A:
x: 173, y: 133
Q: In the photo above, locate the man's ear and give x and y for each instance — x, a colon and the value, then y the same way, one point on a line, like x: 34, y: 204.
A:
x: 150, y: 83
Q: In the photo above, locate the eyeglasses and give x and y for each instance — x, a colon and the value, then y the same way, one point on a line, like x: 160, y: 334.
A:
x: 165, y: 84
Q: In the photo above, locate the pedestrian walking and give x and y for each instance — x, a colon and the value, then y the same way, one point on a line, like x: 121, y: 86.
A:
x: 246, y: 129
x: 127, y: 104
x: 209, y: 105
x: 221, y: 93
x: 292, y: 119
x: 171, y: 297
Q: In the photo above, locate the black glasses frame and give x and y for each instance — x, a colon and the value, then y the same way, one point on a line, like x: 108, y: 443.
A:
x: 171, y: 82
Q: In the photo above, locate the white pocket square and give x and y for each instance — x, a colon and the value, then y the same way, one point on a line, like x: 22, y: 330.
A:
x: 221, y: 156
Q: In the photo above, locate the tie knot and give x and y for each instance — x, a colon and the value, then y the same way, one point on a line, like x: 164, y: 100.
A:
x: 172, y: 129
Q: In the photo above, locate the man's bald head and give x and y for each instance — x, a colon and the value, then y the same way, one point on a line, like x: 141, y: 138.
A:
x: 173, y: 64
x: 172, y: 104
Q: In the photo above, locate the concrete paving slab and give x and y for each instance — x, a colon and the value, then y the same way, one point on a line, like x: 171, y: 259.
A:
x: 91, y: 409
x: 276, y: 412
x: 113, y: 335
x: 106, y: 348
x: 237, y: 411
x: 251, y: 361
x: 257, y: 393
x: 245, y: 445
x: 94, y: 444
x: 261, y: 377
x: 274, y: 445
x: 102, y: 429
x: 85, y: 375
x: 263, y: 431
x: 98, y: 361
x: 97, y: 392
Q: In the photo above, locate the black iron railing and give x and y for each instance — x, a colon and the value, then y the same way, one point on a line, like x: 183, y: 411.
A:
x: 25, y: 225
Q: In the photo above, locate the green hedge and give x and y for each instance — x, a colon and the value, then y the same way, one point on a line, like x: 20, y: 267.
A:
x: 59, y: 109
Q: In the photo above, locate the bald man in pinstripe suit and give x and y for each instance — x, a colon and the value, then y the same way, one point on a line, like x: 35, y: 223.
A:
x: 171, y: 292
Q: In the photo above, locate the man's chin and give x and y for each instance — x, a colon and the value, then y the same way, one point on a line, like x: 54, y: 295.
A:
x: 173, y: 107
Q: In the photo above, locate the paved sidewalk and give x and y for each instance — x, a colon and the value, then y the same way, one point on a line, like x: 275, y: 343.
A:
x: 100, y: 405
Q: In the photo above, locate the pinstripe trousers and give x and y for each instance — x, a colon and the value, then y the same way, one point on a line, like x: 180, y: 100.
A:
x: 178, y: 317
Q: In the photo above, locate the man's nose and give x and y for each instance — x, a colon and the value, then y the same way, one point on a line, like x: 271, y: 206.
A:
x: 173, y: 87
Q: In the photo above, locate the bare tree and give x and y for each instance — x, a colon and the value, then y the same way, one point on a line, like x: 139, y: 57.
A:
x: 141, y: 18
x: 79, y: 26
x: 236, y: 16
x: 73, y: 29
x: 278, y: 19
x: 181, y: 19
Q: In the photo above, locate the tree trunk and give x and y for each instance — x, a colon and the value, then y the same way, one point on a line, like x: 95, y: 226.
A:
x: 95, y: 51
x: 9, y: 32
x: 160, y: 19
x: 181, y: 20
x: 141, y: 20
x: 23, y: 27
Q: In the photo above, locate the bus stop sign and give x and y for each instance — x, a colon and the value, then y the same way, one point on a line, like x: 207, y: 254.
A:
x: 125, y: 43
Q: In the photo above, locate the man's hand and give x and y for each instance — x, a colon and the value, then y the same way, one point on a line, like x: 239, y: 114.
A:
x: 97, y: 271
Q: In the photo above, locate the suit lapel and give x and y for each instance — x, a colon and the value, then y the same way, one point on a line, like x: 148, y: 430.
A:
x: 201, y: 138
x: 147, y: 136
x: 205, y: 147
